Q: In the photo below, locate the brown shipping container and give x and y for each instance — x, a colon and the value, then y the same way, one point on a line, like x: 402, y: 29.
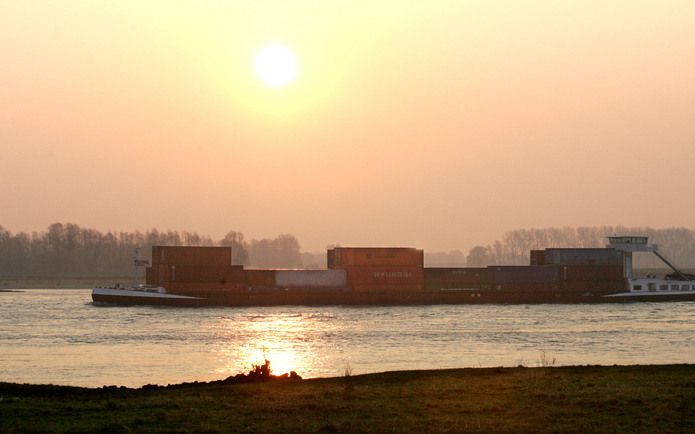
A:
x: 537, y: 257
x: 161, y: 272
x: 612, y: 285
x: 149, y: 276
x: 214, y: 273
x: 385, y: 275
x: 388, y: 288
x: 347, y: 256
x: 185, y: 255
x: 591, y: 273
x: 530, y: 287
x: 260, y: 277
x: 526, y: 274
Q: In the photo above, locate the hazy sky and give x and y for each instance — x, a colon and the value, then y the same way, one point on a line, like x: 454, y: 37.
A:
x: 427, y: 123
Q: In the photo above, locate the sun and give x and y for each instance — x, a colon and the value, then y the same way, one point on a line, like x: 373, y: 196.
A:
x: 276, y: 65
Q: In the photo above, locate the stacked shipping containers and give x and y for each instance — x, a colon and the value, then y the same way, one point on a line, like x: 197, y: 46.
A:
x: 585, y: 268
x: 585, y: 256
x: 456, y: 278
x: 366, y: 269
x: 380, y: 268
x: 310, y: 278
x: 550, y: 269
x: 194, y: 269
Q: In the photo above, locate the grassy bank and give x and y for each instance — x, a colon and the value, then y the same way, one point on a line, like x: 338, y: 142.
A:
x: 577, y: 399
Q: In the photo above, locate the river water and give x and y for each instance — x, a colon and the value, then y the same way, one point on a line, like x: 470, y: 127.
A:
x: 57, y: 336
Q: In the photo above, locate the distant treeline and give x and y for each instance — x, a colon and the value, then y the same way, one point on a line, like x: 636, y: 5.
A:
x: 68, y: 250
x: 676, y: 243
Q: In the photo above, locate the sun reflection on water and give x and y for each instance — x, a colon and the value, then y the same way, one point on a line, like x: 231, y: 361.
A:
x: 272, y: 337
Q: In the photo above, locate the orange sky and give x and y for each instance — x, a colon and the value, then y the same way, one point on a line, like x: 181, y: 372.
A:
x: 432, y: 124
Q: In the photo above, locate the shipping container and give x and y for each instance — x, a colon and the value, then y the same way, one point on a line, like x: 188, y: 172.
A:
x: 149, y: 276
x: 455, y: 276
x: 260, y: 277
x: 209, y: 273
x: 595, y: 286
x: 525, y: 274
x: 388, y: 288
x: 585, y: 273
x: 186, y: 255
x: 161, y: 273
x: 587, y: 256
x: 526, y: 286
x: 310, y: 278
x: 374, y: 256
x: 210, y: 289
x: 537, y: 257
x: 385, y: 274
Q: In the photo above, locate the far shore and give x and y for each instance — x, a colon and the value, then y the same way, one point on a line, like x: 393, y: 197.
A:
x: 8, y: 283
x: 640, y: 398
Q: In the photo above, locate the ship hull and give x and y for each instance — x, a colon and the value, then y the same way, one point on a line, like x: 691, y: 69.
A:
x: 127, y: 297
x: 281, y: 297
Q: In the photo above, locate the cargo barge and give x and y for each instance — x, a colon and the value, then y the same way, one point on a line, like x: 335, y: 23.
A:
x: 204, y: 276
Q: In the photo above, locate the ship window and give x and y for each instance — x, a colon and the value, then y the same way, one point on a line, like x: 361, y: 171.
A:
x: 663, y: 287
x: 652, y: 286
x: 674, y: 287
x: 684, y: 287
x: 637, y: 287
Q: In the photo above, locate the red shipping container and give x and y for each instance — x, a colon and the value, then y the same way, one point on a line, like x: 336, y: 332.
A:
x: 347, y: 256
x: 215, y: 273
x: 385, y: 275
x: 198, y: 289
x: 264, y: 278
x: 161, y: 273
x: 187, y: 255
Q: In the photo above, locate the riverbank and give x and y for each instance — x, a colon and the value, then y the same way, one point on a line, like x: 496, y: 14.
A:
x: 61, y: 282
x: 558, y: 399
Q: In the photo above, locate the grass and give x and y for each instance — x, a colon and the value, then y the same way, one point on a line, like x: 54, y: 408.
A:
x: 543, y: 399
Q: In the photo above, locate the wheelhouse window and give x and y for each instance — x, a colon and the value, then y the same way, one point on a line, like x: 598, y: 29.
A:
x: 663, y: 287
x: 674, y: 287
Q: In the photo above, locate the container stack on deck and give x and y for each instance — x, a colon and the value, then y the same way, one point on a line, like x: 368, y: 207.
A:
x: 207, y: 272
x: 200, y: 271
x: 581, y: 269
x: 385, y: 275
x: 380, y: 269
